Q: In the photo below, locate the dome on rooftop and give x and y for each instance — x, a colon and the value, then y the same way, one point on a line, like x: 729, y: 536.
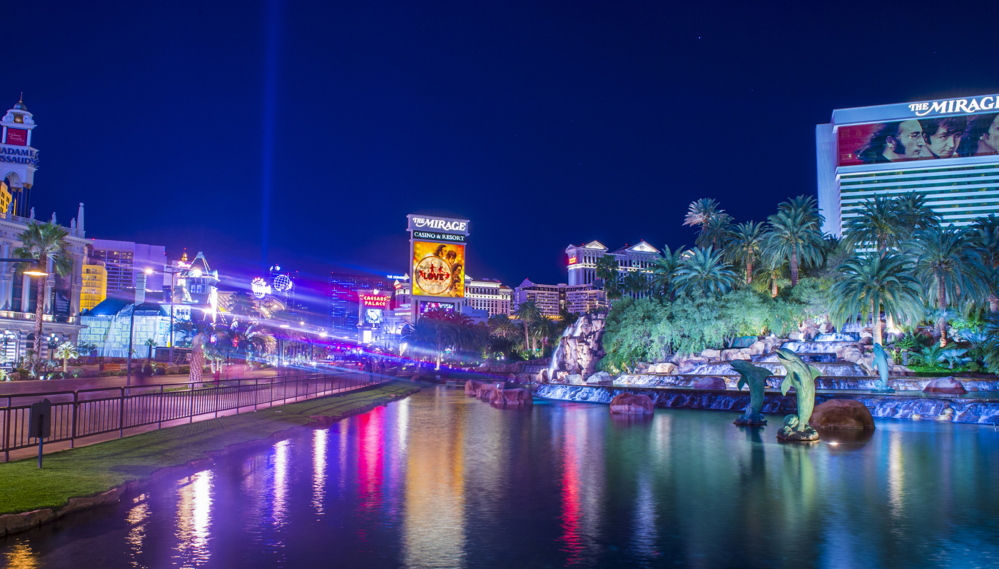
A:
x: 20, y: 106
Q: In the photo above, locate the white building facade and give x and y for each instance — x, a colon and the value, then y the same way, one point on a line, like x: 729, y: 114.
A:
x: 945, y: 150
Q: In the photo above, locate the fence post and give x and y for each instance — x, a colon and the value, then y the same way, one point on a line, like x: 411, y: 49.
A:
x: 190, y: 415
x: 159, y: 414
x: 121, y: 413
x: 218, y: 392
x: 6, y: 432
x: 72, y: 431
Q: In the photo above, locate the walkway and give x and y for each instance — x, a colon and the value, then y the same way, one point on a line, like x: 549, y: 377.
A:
x: 82, y: 417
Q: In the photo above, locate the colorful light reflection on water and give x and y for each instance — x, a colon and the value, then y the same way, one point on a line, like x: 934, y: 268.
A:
x: 439, y: 480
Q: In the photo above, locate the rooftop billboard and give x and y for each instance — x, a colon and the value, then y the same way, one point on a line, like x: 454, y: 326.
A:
x: 926, y: 136
x: 438, y: 269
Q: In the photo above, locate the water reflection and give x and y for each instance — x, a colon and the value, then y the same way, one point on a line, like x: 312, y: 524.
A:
x: 194, y: 519
x: 319, y: 444
x: 19, y: 555
x: 434, y: 518
x: 136, y: 518
x: 279, y: 506
x: 446, y: 481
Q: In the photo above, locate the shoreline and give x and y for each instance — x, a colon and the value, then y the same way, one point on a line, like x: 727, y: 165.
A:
x: 31, y: 497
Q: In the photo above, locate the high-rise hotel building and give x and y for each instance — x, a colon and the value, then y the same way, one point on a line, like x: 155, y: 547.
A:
x: 946, y: 150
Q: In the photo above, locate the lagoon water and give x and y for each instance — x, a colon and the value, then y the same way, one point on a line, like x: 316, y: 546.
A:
x: 441, y: 480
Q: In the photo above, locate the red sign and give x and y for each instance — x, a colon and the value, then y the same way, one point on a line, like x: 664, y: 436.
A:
x: 572, y: 260
x: 374, y: 300
x: 17, y: 136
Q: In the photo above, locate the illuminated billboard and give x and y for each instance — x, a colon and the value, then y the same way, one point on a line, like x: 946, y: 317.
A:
x: 438, y: 269
x: 436, y: 307
x: 929, y: 137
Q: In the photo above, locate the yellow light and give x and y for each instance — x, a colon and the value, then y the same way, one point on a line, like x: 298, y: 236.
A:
x: 148, y: 271
x: 36, y: 273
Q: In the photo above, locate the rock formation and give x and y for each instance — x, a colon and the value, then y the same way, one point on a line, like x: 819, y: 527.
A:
x: 631, y: 404
x: 579, y: 350
x: 947, y: 385
x: 841, y: 414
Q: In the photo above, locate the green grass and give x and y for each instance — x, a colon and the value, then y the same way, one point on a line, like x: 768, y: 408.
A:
x: 100, y: 467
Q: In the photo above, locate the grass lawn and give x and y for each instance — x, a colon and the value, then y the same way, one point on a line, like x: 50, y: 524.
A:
x: 100, y: 467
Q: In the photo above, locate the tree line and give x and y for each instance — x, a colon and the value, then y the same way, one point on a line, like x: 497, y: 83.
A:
x: 897, y: 261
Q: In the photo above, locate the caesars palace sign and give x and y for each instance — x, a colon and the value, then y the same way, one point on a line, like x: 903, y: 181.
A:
x: 967, y: 106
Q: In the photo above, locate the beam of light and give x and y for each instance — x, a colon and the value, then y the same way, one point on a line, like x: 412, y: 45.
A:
x: 272, y: 29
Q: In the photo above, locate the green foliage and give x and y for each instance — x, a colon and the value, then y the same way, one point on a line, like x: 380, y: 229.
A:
x: 649, y: 329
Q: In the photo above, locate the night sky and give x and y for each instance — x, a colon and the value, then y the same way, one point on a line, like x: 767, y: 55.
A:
x: 544, y: 123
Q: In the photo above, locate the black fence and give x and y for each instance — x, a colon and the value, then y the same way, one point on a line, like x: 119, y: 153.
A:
x: 86, y: 413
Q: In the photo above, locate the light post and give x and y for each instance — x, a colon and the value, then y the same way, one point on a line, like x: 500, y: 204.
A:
x: 33, y: 270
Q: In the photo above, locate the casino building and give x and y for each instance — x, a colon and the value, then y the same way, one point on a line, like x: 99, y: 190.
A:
x: 946, y: 150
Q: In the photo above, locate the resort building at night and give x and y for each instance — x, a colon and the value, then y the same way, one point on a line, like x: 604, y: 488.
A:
x: 945, y: 150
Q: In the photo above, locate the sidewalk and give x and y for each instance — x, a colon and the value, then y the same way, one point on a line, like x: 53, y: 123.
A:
x: 48, y: 493
x: 79, y: 384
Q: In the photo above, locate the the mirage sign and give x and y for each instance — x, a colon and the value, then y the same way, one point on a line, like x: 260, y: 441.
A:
x: 428, y: 223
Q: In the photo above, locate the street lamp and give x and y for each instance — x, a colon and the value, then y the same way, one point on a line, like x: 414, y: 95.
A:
x: 34, y: 270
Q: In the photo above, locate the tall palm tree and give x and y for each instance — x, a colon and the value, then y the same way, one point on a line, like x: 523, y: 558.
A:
x: 871, y: 284
x: 701, y: 211
x: 635, y: 284
x: 985, y: 241
x: 948, y: 268
x: 661, y: 280
x: 607, y: 270
x: 528, y: 314
x: 914, y: 215
x: 44, y: 242
x: 746, y: 245
x: 715, y: 232
x: 704, y: 273
x: 794, y: 236
x: 807, y: 205
x: 875, y: 224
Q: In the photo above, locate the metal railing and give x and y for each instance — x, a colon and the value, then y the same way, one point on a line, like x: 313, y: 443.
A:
x: 100, y: 411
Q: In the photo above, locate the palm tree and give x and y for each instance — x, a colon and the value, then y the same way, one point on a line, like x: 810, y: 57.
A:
x: 746, y: 244
x: 914, y: 215
x: 44, y: 242
x: 661, y: 280
x: 703, y: 272
x: 66, y: 351
x: 948, y: 268
x: 985, y: 240
x: 794, y: 236
x: 635, y: 284
x: 528, y: 314
x: 701, y: 211
x: 506, y: 331
x: 875, y: 224
x: 607, y: 270
x: 871, y: 284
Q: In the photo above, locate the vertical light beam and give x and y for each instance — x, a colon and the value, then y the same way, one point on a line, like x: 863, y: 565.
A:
x: 272, y: 29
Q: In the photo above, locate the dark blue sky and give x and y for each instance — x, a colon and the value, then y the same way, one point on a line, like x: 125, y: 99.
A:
x: 545, y: 123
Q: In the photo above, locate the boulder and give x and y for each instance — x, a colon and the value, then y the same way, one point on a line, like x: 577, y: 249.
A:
x: 472, y: 387
x: 758, y: 347
x: 600, y: 377
x: 729, y: 355
x: 743, y: 354
x: 850, y: 354
x: 900, y: 370
x: 841, y: 414
x: 947, y: 385
x: 666, y: 369
x: 518, y: 397
x: 711, y: 354
x: 574, y: 378
x: 714, y: 383
x: 631, y: 404
x: 795, y: 337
